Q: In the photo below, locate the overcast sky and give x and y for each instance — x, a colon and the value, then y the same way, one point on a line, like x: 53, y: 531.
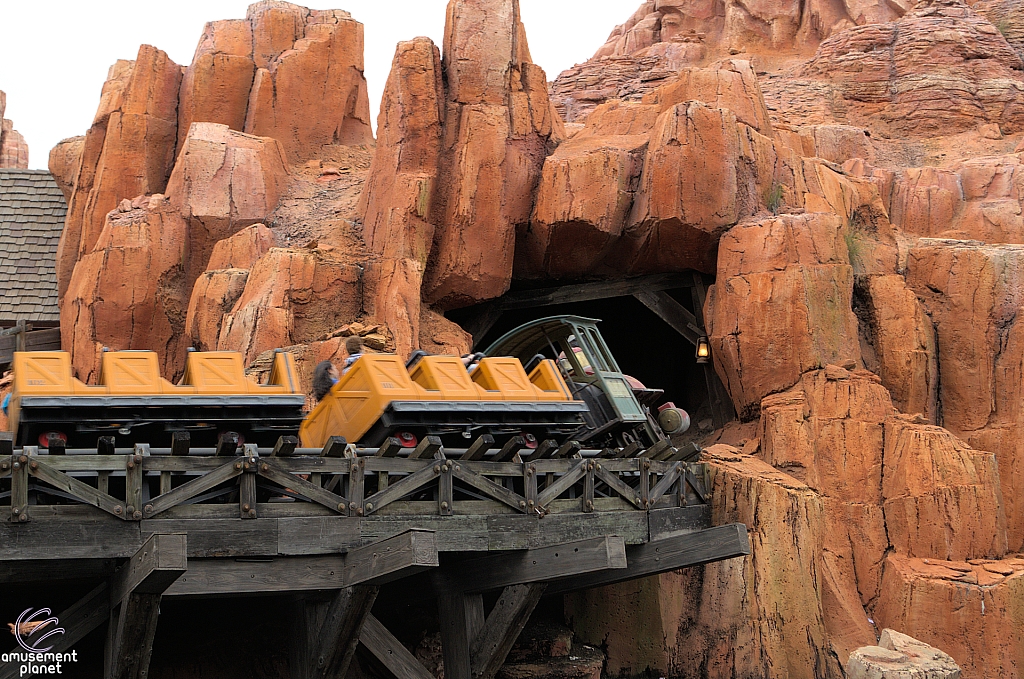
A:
x: 54, y: 56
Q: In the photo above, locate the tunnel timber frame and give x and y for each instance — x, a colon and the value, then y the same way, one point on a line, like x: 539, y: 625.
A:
x: 651, y: 291
x: 183, y: 522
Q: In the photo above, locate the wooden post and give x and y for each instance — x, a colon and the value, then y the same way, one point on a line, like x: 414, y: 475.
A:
x: 19, y: 485
x: 247, y: 483
x: 339, y: 635
x: 133, y: 482
x: 721, y: 404
x: 588, y: 487
x: 453, y: 611
x: 356, y: 481
x: 135, y: 592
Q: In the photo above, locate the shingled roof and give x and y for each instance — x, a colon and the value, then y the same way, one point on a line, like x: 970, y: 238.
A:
x: 32, y: 210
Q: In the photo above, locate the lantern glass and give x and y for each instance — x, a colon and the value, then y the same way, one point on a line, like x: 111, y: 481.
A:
x: 703, y: 350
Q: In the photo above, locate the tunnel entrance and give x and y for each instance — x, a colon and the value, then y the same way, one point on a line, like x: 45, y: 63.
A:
x: 651, y: 325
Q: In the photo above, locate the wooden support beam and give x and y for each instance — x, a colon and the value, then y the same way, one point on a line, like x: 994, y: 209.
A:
x: 585, y: 292
x: 668, y: 554
x: 374, y: 564
x: 571, y: 559
x: 491, y: 645
x: 722, y: 410
x: 673, y: 313
x: 152, y: 569
x: 228, y: 443
x: 511, y: 447
x: 390, y: 651
x: 135, y: 592
x: 339, y: 635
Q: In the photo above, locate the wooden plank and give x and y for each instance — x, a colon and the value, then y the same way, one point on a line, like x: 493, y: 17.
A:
x: 226, y: 537
x: 396, y: 491
x: 491, y: 645
x: 390, y: 651
x: 544, y: 449
x: 668, y: 554
x: 374, y: 564
x: 563, y: 484
x: 341, y: 631
x: 181, y: 441
x: 613, y: 481
x: 133, y: 483
x: 158, y: 563
x: 541, y: 564
x: 389, y: 448
x: 19, y: 488
x: 228, y: 443
x: 336, y: 447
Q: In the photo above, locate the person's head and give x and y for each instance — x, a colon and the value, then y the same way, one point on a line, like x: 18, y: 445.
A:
x: 325, y: 375
x: 354, y: 345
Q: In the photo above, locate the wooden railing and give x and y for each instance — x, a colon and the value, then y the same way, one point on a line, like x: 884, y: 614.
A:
x: 141, y: 483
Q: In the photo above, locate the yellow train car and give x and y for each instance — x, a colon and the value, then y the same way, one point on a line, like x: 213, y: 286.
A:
x: 136, y: 405
x: 380, y: 397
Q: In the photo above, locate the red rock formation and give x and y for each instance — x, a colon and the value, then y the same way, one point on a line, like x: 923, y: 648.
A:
x: 902, y: 342
x: 499, y: 125
x: 215, y: 87
x: 219, y: 287
x: 128, y: 292
x: 972, y: 611
x: 941, y: 69
x: 761, y: 615
x: 942, y: 499
x: 128, y: 151
x: 223, y: 181
x: 396, y: 201
x: 730, y: 84
x: 781, y: 305
x: 291, y: 297
x: 13, y: 148
x: 974, y: 295
x: 309, y: 90
x: 64, y: 160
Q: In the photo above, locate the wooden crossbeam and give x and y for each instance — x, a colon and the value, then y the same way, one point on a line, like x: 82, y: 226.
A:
x: 489, y: 488
x: 672, y: 312
x: 341, y: 630
x: 193, y: 488
x: 543, y: 564
x: 269, y: 470
x: 491, y: 645
x: 668, y: 554
x: 390, y: 651
x: 135, y: 593
x: 375, y: 564
x: 72, y: 486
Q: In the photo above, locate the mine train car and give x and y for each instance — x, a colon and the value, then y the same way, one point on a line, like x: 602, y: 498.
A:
x: 547, y: 384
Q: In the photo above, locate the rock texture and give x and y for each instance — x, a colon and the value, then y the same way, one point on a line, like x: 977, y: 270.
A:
x: 782, y: 305
x: 63, y: 164
x: 13, y: 148
x: 940, y: 69
x: 898, y: 655
x: 971, y: 611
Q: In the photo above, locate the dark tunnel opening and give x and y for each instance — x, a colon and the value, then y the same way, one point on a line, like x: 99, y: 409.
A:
x: 643, y: 344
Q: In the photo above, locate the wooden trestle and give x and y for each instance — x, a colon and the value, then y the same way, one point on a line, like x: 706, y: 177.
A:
x: 334, y: 526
